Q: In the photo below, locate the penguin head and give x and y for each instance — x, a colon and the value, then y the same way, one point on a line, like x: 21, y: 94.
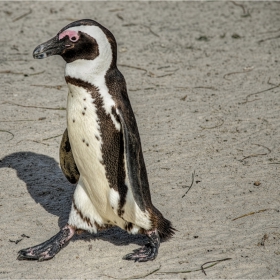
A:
x: 83, y: 40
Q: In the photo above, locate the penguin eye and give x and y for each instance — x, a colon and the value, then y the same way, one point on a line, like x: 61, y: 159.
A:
x: 73, y: 39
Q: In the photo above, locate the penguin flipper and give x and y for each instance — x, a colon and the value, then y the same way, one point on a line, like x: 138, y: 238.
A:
x: 137, y: 174
x: 136, y: 169
x: 67, y: 161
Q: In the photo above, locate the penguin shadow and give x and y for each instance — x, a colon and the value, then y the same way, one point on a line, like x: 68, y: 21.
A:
x: 48, y: 187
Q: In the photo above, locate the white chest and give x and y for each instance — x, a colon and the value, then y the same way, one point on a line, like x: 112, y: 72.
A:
x: 83, y: 126
x: 86, y: 143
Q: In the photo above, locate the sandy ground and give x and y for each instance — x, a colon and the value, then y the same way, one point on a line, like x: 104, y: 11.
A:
x: 205, y: 94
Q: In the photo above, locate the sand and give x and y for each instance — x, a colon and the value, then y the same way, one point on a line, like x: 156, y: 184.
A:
x: 203, y: 80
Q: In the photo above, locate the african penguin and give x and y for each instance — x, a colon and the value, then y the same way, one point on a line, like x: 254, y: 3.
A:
x: 100, y: 149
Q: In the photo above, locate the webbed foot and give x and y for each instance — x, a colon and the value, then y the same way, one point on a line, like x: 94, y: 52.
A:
x: 49, y: 248
x: 148, y: 252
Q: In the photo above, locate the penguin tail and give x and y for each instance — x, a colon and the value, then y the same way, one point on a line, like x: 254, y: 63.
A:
x: 164, y: 226
x: 165, y: 229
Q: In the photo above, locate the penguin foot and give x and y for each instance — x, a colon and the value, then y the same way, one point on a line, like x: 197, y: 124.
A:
x: 148, y: 252
x: 49, y: 248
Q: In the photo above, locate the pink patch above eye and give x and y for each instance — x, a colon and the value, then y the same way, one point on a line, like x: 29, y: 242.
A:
x: 73, y: 35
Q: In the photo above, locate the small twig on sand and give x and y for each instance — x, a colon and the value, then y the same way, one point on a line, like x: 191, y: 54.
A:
x: 46, y: 86
x: 20, y: 121
x: 202, y: 268
x: 207, y: 88
x: 268, y: 81
x: 184, y: 97
x: 246, y: 101
x: 22, y: 16
x: 116, y: 10
x: 245, y: 13
x: 249, y: 214
x: 133, y: 67
x: 193, y: 174
x: 20, y: 73
x: 51, y: 137
x: 119, y: 16
x: 212, y: 127
x: 129, y: 24
x: 245, y: 70
x: 155, y: 34
x: 162, y: 67
x: 165, y: 75
x: 135, y: 276
x: 267, y: 39
x: 214, y: 263
x: 18, y: 240
x: 39, y: 142
x: 29, y: 106
x: 35, y: 141
x: 152, y: 75
x: 15, y: 241
x: 1, y: 130
x: 134, y: 89
x: 11, y: 72
x: 255, y: 155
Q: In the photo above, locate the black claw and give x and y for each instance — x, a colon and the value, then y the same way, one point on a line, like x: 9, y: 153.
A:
x: 20, y: 257
x: 42, y: 259
x: 148, y: 252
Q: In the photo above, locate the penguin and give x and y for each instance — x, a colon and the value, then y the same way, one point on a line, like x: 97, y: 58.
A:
x: 100, y: 149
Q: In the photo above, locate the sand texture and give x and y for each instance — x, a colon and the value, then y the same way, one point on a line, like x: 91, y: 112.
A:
x: 203, y: 80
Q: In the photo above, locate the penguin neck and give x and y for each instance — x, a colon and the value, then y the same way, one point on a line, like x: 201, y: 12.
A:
x: 91, y: 71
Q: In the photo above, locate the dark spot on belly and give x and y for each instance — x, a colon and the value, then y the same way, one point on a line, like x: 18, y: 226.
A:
x: 85, y: 99
x: 87, y: 144
x: 128, y: 226
x: 83, y: 113
x: 85, y: 108
x: 97, y: 138
x: 73, y: 120
x: 84, y: 140
x: 120, y: 212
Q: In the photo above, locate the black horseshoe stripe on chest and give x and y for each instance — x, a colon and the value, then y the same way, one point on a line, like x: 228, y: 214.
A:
x: 112, y: 142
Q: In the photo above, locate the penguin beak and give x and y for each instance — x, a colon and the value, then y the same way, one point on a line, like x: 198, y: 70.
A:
x: 52, y: 47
